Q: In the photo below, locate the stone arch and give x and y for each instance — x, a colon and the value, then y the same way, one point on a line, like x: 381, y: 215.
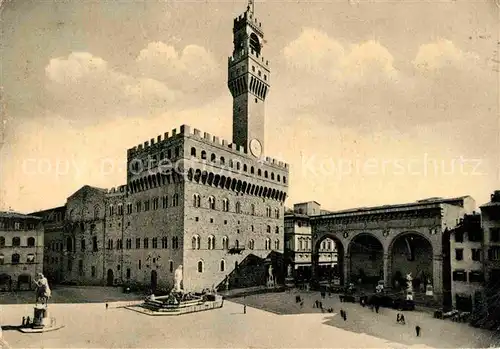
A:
x: 320, y: 269
x: 158, y: 179
x: 210, y: 178
x: 264, y: 192
x: 204, y: 176
x: 228, y: 183
x: 366, y: 258
x: 190, y: 174
x: 410, y: 252
x: 233, y: 184
x: 216, y: 180
x: 252, y: 189
x: 244, y: 187
x: 222, y: 181
x: 238, y: 186
x: 197, y: 176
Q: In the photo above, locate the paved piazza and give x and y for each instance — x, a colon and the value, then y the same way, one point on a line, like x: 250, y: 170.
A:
x: 90, y: 325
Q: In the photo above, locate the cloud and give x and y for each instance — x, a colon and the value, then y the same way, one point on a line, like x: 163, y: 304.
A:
x: 82, y: 86
x: 184, y: 69
x: 442, y: 54
x: 315, y: 52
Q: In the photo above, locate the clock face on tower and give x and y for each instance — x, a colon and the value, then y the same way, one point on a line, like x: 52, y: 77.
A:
x: 255, y: 148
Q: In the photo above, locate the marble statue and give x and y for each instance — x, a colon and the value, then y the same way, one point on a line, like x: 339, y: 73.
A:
x: 43, y: 292
x: 270, y: 277
x: 178, y: 279
x: 289, y: 271
x: 409, y: 282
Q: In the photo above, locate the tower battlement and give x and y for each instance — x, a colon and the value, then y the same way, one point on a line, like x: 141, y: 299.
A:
x: 242, y: 54
x: 120, y: 190
x: 187, y: 131
x: 247, y: 18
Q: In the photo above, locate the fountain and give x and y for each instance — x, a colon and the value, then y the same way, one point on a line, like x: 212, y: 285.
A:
x: 41, y: 321
x: 178, y: 301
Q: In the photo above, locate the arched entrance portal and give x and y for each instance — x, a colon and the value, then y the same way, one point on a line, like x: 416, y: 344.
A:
x: 411, y: 253
x: 328, y: 260
x: 110, y: 278
x: 366, y: 260
x: 154, y: 280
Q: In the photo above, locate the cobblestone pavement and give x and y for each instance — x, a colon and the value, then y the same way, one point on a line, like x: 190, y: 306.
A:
x: 92, y: 326
x: 435, y: 333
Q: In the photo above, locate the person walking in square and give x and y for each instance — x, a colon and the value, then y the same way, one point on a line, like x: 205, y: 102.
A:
x: 417, y: 330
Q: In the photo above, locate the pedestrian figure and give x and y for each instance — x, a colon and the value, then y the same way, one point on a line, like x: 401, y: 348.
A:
x: 342, y: 313
x: 402, y: 319
x: 345, y: 316
x: 107, y: 305
x: 398, y: 318
x: 28, y: 321
x: 321, y: 305
x: 376, y: 308
x: 24, y: 321
x: 417, y: 330
x: 302, y: 304
x: 244, y: 309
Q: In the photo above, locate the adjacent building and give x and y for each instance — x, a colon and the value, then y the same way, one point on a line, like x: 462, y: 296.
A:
x: 466, y: 262
x: 298, y: 243
x: 21, y: 250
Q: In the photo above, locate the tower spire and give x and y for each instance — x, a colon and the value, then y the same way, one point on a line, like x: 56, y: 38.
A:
x: 250, y: 7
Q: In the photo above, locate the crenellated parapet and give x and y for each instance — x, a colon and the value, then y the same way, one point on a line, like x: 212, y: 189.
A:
x: 247, y: 18
x: 120, y: 190
x: 205, y: 137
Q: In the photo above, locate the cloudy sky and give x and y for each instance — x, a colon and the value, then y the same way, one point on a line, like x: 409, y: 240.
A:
x: 371, y: 102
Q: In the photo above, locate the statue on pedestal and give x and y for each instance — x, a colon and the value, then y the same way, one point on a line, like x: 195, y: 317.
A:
x: 43, y: 292
x: 178, y: 279
x: 409, y: 282
x: 270, y: 277
x: 289, y: 271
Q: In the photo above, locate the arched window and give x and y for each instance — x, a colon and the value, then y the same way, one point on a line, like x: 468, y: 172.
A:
x: 222, y: 265
x: 193, y: 151
x: 277, y: 213
x: 171, y: 266
x: 146, y: 243
x: 238, y: 207
x: 200, y: 266
x: 213, y: 157
x: 268, y: 211
x: 203, y: 155
x: 225, y: 243
x: 245, y: 169
x: 96, y: 211
x: 16, y: 241
x: 222, y: 160
x: 211, y: 203
x: 31, y: 242
x: 238, y: 165
x: 94, y: 244
x: 15, y: 258
x: 2, y: 241
x: 268, y: 230
x: 265, y: 174
x: 175, y: 200
x: 196, y: 200
x: 82, y: 245
x: 231, y: 163
x: 211, y: 242
x: 251, y: 244
x: 277, y: 230
x: 252, y: 170
x: 284, y: 179
x: 252, y: 209
x: 272, y: 175
x: 237, y: 244
x: 277, y: 245
x: 278, y: 178
x: 225, y: 205
x: 259, y: 172
x: 195, y: 241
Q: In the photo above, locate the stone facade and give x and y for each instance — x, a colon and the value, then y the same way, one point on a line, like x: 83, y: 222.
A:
x: 191, y: 199
x: 423, y: 221
x: 21, y: 250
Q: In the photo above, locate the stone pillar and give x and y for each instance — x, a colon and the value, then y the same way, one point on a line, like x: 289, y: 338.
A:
x: 347, y: 269
x: 437, y: 275
x: 387, y: 270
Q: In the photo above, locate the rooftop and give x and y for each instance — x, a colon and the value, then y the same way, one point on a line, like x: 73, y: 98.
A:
x: 411, y: 205
x: 12, y: 214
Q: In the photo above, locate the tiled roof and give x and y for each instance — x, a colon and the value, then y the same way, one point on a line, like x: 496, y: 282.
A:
x: 12, y: 214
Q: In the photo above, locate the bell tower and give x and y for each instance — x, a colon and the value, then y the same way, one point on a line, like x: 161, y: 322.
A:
x: 248, y: 81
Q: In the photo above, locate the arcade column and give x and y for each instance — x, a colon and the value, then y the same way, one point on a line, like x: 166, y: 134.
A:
x: 437, y: 275
x: 387, y: 270
x: 347, y: 269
